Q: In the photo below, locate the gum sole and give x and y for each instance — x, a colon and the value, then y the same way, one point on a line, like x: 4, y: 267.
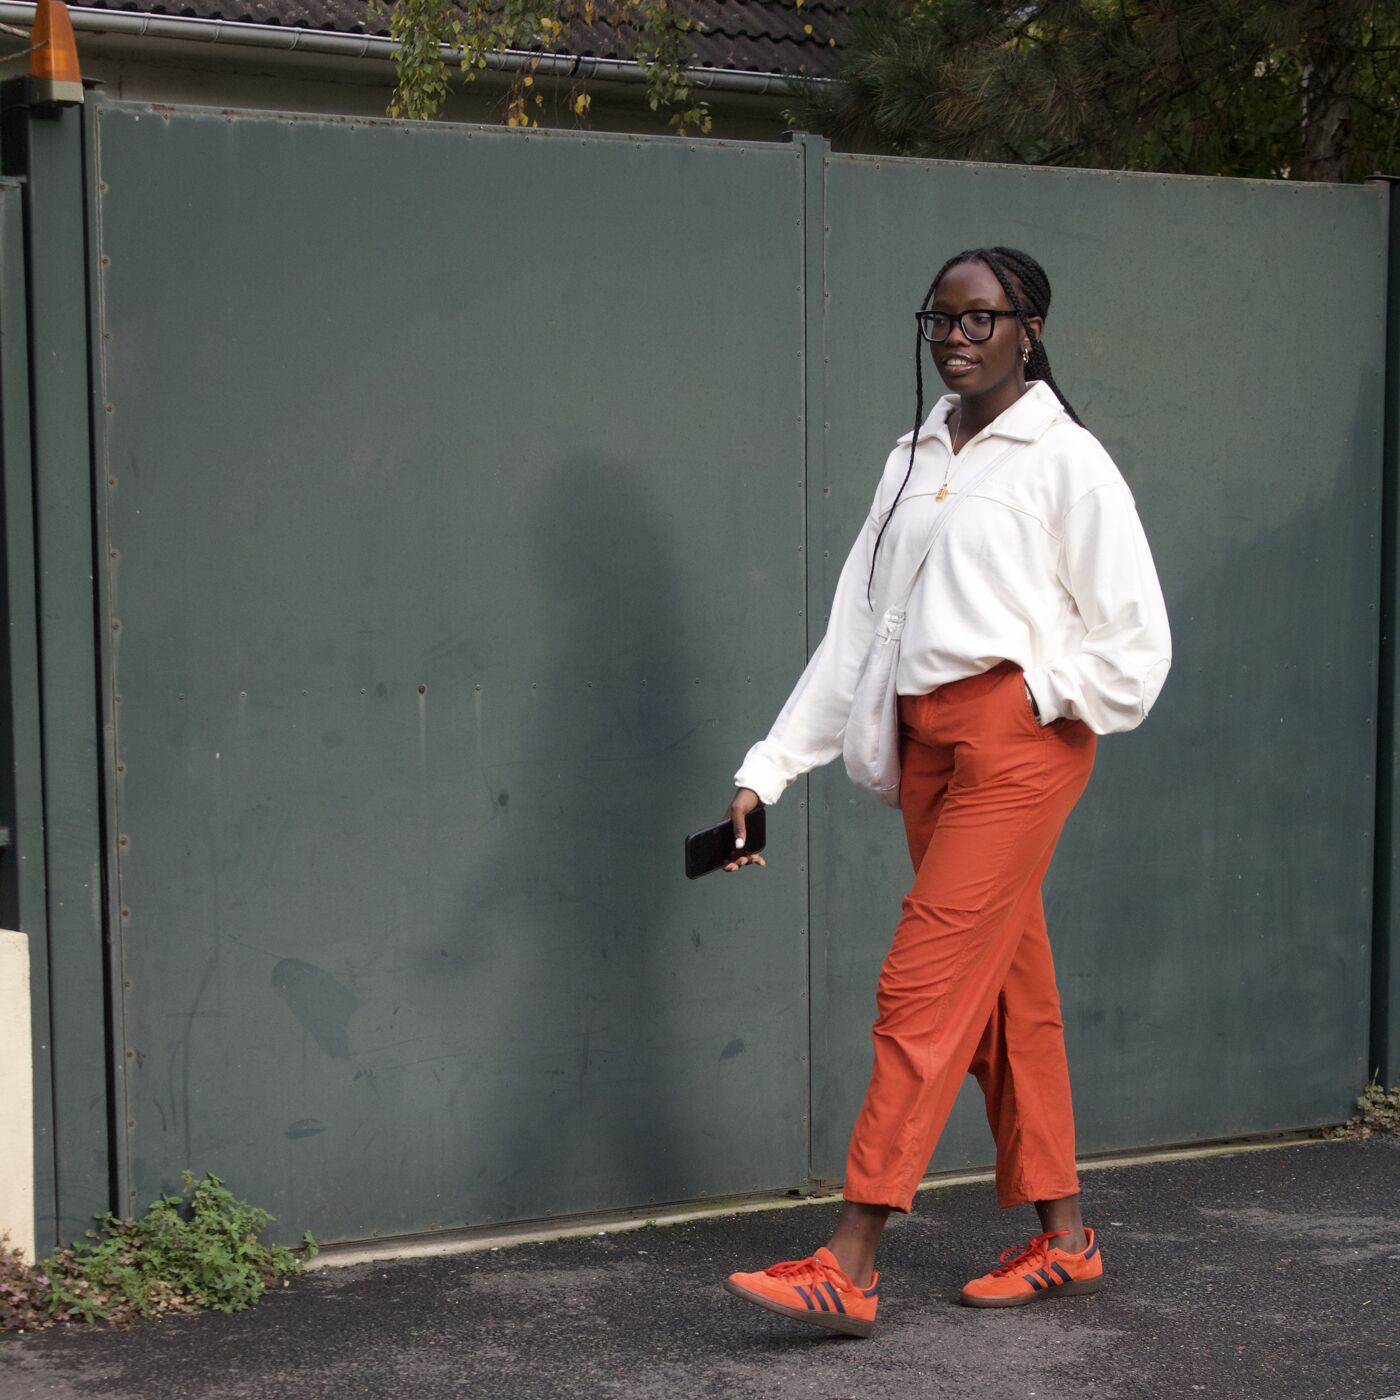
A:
x: 1060, y: 1290
x: 831, y: 1322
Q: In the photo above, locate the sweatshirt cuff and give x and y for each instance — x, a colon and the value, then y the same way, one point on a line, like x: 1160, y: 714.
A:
x: 1038, y: 682
x: 762, y: 776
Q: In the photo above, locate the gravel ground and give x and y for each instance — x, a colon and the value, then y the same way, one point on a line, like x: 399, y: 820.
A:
x: 1270, y: 1274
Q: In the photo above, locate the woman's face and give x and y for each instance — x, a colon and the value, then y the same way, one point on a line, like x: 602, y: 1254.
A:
x: 976, y: 367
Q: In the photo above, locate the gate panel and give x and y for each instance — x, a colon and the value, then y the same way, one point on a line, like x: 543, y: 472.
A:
x: 1210, y: 901
x: 453, y: 512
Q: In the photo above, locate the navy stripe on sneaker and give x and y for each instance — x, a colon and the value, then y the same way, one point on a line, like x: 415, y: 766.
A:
x: 1045, y: 1276
x: 805, y: 1297
x: 835, y: 1296
x: 817, y: 1293
x: 872, y: 1292
x: 1064, y: 1277
x: 1033, y: 1281
x: 1092, y: 1250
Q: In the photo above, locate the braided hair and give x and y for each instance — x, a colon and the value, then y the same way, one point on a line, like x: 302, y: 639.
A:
x: 1027, y: 291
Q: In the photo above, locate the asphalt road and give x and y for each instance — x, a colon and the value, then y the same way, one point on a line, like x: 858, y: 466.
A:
x: 1270, y: 1274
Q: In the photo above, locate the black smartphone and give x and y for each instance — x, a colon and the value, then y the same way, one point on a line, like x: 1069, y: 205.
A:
x: 714, y: 848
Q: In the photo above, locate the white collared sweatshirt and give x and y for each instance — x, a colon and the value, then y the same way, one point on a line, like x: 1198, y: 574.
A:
x: 1044, y: 563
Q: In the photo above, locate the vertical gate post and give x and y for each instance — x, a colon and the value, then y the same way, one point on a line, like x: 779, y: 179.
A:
x: 1385, y: 967
x: 815, y: 150
x: 45, y: 145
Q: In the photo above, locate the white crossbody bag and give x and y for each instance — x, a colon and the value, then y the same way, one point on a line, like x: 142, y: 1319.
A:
x: 871, y: 743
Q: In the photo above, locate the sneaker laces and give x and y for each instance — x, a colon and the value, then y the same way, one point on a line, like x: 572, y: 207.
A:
x: 1038, y: 1248
x: 809, y: 1270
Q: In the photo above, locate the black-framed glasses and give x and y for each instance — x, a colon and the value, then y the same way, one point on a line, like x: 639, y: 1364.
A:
x: 937, y: 326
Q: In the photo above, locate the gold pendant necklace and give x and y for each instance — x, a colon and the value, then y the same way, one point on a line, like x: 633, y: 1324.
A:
x: 943, y: 493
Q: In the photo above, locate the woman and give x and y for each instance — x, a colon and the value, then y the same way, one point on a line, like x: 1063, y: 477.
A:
x: 1035, y: 623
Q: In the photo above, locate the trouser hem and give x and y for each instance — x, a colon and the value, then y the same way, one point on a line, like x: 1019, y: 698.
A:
x: 872, y: 1196
x: 1007, y: 1199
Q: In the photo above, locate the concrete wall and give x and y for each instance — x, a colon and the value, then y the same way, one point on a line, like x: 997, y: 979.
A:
x: 16, y: 1095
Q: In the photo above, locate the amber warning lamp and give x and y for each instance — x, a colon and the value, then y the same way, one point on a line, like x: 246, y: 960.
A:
x: 53, y: 60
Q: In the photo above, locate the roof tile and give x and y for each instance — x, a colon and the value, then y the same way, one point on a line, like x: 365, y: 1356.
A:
x: 759, y: 36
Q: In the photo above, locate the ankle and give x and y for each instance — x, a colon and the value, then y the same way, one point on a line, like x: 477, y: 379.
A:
x: 1075, y: 1241
x: 858, y: 1267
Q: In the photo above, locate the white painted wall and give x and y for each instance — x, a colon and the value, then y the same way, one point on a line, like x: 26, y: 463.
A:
x: 16, y: 1095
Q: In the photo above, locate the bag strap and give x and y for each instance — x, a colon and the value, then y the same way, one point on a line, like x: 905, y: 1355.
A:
x: 958, y: 497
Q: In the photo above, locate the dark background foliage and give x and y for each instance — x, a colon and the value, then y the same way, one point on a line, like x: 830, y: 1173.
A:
x: 1293, y: 89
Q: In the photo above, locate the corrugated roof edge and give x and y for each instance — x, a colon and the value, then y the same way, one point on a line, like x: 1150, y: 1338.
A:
x: 139, y: 24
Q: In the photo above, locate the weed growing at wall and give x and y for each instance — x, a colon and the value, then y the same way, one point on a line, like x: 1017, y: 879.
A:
x: 196, y: 1250
x: 1376, y: 1112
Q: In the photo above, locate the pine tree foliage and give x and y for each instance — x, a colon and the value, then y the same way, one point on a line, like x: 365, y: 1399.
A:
x: 1301, y: 89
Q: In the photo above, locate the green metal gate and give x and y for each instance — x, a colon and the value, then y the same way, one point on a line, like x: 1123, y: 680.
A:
x: 1210, y: 902
x: 436, y: 618
x: 463, y: 502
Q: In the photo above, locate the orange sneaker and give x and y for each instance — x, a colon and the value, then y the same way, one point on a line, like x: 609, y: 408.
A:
x: 814, y: 1290
x: 1040, y: 1270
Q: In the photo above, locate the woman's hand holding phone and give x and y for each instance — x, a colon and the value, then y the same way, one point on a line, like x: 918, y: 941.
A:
x: 745, y: 800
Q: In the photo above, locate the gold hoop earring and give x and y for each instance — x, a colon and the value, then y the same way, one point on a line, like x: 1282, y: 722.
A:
x: 1026, y: 355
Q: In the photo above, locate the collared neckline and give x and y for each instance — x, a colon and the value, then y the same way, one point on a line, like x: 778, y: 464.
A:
x: 1024, y: 421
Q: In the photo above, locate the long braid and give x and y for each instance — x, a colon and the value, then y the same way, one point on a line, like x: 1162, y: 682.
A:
x: 1009, y: 266
x: 1036, y: 285
x: 914, y: 440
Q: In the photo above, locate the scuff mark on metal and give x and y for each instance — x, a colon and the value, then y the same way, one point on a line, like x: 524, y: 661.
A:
x: 322, y: 1004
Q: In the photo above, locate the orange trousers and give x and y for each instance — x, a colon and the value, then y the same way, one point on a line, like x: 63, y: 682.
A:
x: 968, y: 984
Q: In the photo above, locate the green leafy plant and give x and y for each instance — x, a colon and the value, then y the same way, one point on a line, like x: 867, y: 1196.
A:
x: 196, y: 1250
x: 1376, y: 1112
x: 657, y: 33
x: 23, y: 1289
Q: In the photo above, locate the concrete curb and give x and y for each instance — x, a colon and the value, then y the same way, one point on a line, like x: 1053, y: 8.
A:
x: 471, y: 1241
